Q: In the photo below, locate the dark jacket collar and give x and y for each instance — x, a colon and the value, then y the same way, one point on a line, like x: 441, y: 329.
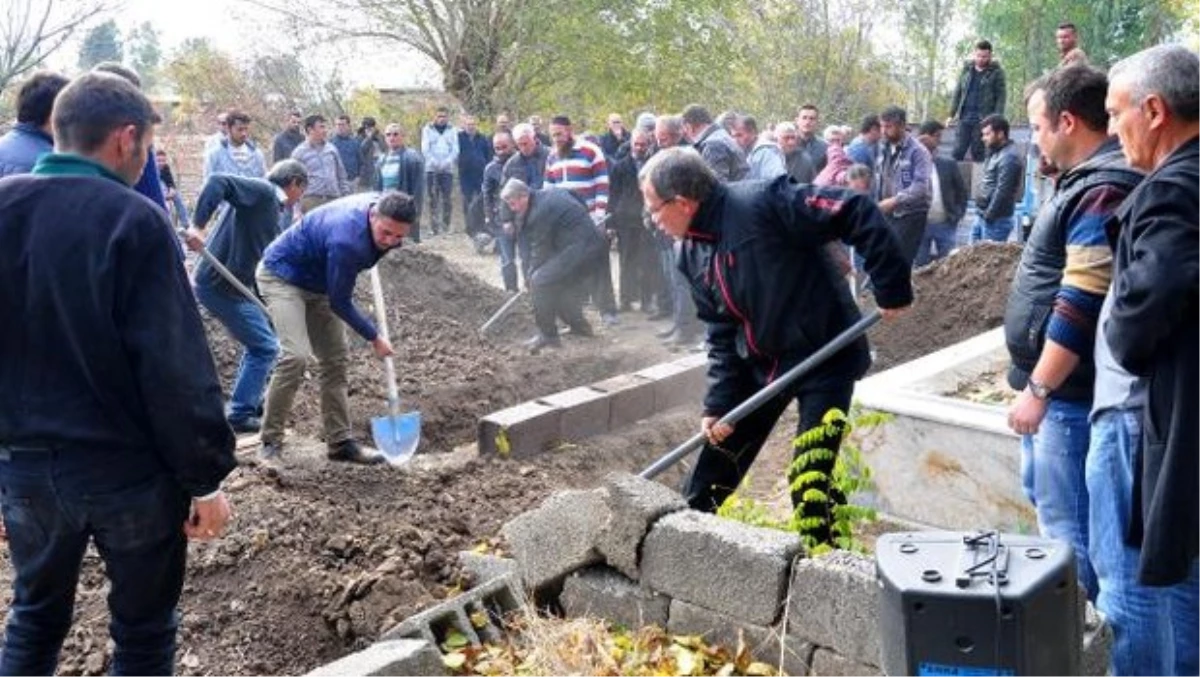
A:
x: 706, y: 223
x: 1187, y: 153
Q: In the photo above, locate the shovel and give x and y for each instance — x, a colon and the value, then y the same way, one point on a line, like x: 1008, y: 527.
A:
x: 745, y: 408
x: 396, y: 435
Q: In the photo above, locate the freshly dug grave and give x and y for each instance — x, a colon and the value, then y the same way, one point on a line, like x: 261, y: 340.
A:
x: 445, y: 370
x: 957, y: 297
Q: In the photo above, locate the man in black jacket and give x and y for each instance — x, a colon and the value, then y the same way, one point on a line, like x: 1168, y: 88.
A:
x: 947, y: 199
x: 564, y: 248
x: 111, y: 425
x: 493, y: 181
x: 1152, y: 331
x: 754, y: 256
x: 981, y: 91
x: 260, y: 211
x: 1001, y: 183
x: 638, y: 256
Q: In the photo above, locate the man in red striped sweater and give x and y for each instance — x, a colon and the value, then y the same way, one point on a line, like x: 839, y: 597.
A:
x: 578, y: 165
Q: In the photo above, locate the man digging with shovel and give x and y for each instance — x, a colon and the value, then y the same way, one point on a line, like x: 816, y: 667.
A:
x: 260, y: 212
x: 307, y: 278
x: 754, y: 256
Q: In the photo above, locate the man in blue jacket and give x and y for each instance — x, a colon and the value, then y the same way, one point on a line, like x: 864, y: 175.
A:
x: 30, y: 138
x: 111, y: 428
x: 307, y: 279
x: 754, y: 256
x: 474, y: 153
x: 260, y: 209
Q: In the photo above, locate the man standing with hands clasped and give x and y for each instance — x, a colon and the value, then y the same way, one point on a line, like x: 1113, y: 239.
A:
x: 111, y: 424
x: 754, y: 256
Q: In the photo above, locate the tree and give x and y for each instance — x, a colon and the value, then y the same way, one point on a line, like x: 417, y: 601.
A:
x: 101, y: 43
x: 32, y: 30
x: 145, y: 53
x: 926, y: 25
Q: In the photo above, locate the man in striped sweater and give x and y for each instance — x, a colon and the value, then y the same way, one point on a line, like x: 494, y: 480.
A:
x: 578, y: 166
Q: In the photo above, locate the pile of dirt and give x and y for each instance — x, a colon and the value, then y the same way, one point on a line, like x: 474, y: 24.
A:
x: 957, y: 297
x: 445, y: 369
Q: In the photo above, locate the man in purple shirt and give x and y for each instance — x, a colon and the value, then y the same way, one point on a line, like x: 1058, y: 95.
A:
x: 307, y: 279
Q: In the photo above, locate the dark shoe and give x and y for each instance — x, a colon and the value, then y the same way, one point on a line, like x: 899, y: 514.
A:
x: 539, y: 343
x: 249, y: 424
x: 348, y: 451
x: 666, y: 333
x: 270, y: 457
x: 581, y: 331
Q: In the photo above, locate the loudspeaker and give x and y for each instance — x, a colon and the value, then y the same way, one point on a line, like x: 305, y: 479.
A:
x: 978, y: 604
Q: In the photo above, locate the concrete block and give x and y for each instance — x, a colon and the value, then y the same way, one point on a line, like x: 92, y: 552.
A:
x: 394, y: 657
x: 484, y: 568
x: 633, y: 506
x: 834, y: 603
x: 693, y: 360
x: 722, y: 565
x: 600, y: 592
x: 523, y: 430
x: 557, y: 537
x: 829, y: 662
x: 675, y: 384
x: 488, y: 602
x: 585, y: 412
x: 764, y: 643
x: 1097, y: 644
x: 631, y: 399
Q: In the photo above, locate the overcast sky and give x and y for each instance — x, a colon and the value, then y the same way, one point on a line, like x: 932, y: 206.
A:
x: 236, y: 26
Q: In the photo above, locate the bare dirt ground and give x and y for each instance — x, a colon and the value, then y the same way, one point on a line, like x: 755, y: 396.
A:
x: 319, y: 562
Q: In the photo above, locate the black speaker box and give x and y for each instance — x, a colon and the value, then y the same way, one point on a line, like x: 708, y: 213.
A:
x: 953, y: 603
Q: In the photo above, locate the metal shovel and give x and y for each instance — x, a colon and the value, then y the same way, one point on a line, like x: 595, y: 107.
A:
x: 755, y: 401
x: 396, y: 435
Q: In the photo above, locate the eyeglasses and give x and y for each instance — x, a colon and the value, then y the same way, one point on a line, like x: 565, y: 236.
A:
x: 391, y: 133
x: 656, y: 209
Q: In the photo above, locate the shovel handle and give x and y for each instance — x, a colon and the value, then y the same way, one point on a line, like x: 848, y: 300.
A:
x: 230, y: 277
x: 755, y: 401
x: 389, y: 365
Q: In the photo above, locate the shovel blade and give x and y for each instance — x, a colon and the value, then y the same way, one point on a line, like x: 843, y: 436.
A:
x: 397, y: 436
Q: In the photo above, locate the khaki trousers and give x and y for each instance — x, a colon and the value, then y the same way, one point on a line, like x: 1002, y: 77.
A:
x: 307, y: 329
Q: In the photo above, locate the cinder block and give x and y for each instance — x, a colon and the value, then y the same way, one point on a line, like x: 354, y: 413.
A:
x: 766, y: 644
x: 558, y: 537
x: 633, y: 505
x: 693, y: 360
x: 523, y: 430
x: 484, y: 568
x: 1097, y: 644
x: 675, y: 384
x: 585, y: 412
x: 494, y: 599
x: 601, y: 592
x: 829, y: 662
x: 631, y: 399
x: 719, y: 564
x: 393, y: 657
x: 834, y: 603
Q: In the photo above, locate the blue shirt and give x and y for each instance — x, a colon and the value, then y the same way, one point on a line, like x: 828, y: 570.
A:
x: 21, y: 147
x: 325, y: 253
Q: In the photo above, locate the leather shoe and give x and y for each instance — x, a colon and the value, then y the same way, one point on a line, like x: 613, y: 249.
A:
x: 270, y: 457
x: 539, y: 343
x: 349, y: 452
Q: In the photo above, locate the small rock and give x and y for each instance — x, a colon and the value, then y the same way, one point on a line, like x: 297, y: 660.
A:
x: 190, y: 661
x: 525, y: 471
x: 94, y: 665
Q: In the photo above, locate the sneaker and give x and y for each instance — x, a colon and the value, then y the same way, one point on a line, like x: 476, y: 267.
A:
x: 348, y: 451
x: 248, y: 424
x: 270, y: 456
x: 539, y: 343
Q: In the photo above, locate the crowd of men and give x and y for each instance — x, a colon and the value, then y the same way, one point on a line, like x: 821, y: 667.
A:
x: 114, y: 429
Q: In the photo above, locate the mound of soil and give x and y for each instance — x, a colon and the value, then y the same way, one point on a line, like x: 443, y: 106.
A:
x: 445, y: 369
x: 957, y: 297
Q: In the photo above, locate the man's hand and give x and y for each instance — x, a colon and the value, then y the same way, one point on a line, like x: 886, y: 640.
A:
x: 890, y: 314
x: 194, y: 238
x: 208, y: 518
x: 714, y: 431
x: 1026, y: 414
x: 382, y: 348
x: 887, y: 206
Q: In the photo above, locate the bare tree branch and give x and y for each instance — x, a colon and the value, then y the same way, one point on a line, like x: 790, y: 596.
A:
x: 26, y: 42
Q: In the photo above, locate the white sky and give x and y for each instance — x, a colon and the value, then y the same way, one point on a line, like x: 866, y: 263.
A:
x: 239, y: 27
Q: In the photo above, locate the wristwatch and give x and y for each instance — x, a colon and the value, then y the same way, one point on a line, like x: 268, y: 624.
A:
x: 1039, y: 390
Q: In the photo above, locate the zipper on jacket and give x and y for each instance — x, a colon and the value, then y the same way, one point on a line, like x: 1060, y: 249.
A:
x: 733, y: 308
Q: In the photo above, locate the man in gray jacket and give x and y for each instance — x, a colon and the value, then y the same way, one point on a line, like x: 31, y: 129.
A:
x: 762, y: 155
x: 1000, y: 185
x: 717, y: 148
x: 327, y: 179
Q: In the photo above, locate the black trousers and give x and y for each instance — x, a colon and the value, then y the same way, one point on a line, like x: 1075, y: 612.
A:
x: 563, y: 300
x: 719, y: 470
x: 967, y: 137
x: 637, y: 257
x: 603, y: 294
x: 909, y: 230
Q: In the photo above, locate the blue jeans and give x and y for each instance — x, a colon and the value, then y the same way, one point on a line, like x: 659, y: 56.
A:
x: 943, y: 236
x: 994, y: 231
x: 439, y: 185
x: 251, y: 327
x: 1154, y: 629
x: 508, y: 261
x: 55, y: 502
x: 1052, y: 474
